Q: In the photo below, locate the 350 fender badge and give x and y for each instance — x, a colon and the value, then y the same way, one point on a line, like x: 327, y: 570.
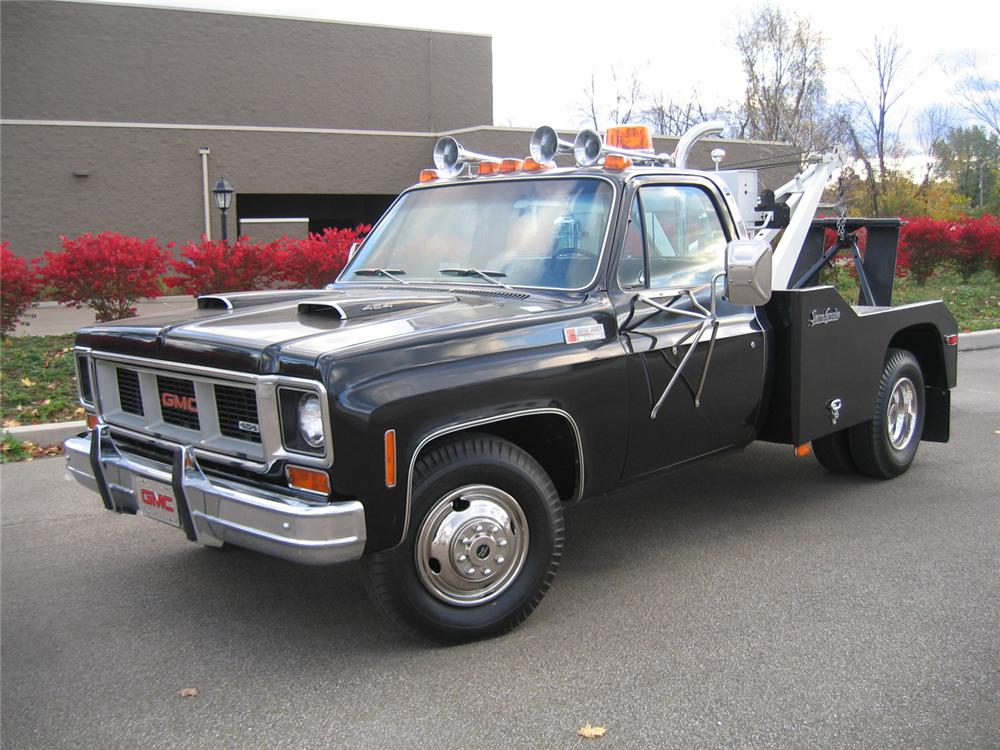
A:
x: 829, y: 315
x: 580, y: 334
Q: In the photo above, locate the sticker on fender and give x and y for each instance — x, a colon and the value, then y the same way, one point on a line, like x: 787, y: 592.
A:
x: 156, y: 501
x: 581, y: 334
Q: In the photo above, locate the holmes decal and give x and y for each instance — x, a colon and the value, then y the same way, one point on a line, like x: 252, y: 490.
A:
x: 829, y: 315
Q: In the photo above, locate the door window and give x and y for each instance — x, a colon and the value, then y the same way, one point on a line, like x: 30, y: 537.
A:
x: 674, y: 239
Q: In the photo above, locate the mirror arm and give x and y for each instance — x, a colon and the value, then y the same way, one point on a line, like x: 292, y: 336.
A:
x: 708, y: 317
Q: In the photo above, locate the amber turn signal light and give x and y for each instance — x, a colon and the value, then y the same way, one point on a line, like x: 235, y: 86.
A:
x: 92, y: 421
x: 310, y: 480
x: 803, y: 450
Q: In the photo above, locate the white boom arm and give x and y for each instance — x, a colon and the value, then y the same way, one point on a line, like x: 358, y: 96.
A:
x: 803, y: 194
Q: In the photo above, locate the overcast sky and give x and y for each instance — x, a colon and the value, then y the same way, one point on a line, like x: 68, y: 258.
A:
x: 544, y: 52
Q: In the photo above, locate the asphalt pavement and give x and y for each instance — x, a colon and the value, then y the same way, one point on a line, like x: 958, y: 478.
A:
x: 754, y: 601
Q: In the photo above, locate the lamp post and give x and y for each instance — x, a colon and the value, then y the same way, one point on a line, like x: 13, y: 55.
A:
x: 223, y: 193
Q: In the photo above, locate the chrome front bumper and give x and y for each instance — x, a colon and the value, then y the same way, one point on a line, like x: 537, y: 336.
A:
x: 216, y: 511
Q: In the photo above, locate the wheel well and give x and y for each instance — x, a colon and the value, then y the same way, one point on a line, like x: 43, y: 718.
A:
x: 551, y: 439
x: 925, y: 342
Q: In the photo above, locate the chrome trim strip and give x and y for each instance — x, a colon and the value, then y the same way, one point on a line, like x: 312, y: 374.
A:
x: 458, y: 427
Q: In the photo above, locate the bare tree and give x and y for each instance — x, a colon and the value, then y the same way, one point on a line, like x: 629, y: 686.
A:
x: 674, y: 116
x: 785, y: 98
x: 931, y: 128
x: 866, y: 120
x: 978, y: 94
x: 622, y: 106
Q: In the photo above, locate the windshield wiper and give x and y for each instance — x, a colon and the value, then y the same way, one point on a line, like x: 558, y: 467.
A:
x: 490, y: 276
x: 392, y: 273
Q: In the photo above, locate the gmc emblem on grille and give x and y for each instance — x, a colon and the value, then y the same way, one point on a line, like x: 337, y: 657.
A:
x: 181, y: 403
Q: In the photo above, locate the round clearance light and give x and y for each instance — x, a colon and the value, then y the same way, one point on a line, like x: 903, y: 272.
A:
x: 311, y: 420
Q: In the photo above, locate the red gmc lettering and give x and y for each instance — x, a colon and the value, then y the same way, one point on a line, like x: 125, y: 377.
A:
x: 156, y: 500
x: 183, y: 403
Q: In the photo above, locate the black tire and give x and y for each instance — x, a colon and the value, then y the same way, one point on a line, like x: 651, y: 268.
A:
x: 462, y: 490
x: 884, y: 446
x: 833, y: 452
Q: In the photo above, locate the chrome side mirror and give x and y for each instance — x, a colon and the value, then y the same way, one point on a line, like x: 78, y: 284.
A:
x: 748, y: 272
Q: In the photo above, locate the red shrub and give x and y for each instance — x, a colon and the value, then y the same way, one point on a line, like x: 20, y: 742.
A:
x: 214, y: 266
x: 107, y: 273
x: 992, y: 242
x: 316, y: 260
x: 975, y: 244
x: 925, y: 242
x: 18, y: 287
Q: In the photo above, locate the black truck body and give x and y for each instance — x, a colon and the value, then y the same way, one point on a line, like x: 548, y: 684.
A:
x: 568, y: 377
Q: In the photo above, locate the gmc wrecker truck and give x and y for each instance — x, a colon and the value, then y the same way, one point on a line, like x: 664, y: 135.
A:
x: 511, y: 338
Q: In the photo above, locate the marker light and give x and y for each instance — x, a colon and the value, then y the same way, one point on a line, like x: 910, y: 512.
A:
x: 92, y: 421
x: 426, y: 175
x: 488, y: 168
x: 530, y: 165
x: 616, y: 162
x: 390, y: 458
x: 801, y: 451
x: 511, y: 165
x: 311, y: 480
x: 629, y: 136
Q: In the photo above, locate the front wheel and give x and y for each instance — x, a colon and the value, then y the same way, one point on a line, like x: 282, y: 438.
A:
x: 484, y: 541
x: 884, y: 446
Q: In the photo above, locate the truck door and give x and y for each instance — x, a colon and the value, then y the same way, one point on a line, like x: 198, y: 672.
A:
x: 674, y: 243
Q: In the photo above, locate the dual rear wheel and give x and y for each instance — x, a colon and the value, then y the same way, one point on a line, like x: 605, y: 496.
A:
x: 884, y: 446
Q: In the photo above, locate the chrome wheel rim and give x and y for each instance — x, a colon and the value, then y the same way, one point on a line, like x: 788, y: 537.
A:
x: 901, y: 414
x: 471, y: 545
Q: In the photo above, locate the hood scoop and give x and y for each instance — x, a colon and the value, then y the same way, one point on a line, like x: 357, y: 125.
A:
x: 352, y: 308
x: 239, y: 300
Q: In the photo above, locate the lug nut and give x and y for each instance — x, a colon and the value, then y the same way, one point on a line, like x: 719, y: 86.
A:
x: 479, y: 529
x: 487, y: 571
x: 466, y: 540
x: 462, y: 558
x: 502, y: 543
x: 471, y: 571
x: 500, y: 561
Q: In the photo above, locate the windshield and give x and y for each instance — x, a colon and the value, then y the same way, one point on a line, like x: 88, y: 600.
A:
x: 537, y: 233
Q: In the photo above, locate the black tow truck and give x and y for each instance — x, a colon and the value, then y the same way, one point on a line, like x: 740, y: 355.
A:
x: 511, y: 338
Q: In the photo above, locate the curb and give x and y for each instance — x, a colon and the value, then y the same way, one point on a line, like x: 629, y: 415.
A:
x: 56, y: 432
x: 46, y: 434
x: 976, y: 340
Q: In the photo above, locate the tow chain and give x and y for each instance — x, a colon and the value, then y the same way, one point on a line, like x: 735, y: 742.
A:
x: 841, y: 213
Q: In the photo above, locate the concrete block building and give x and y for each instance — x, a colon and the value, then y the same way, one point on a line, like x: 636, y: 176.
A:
x: 118, y: 117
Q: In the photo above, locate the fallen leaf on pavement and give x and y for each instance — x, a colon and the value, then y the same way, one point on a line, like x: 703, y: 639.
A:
x: 590, y: 732
x: 11, y: 423
x: 187, y: 693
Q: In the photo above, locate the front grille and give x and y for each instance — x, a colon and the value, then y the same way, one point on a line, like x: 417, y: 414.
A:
x: 129, y: 394
x: 177, y: 402
x: 237, y: 408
